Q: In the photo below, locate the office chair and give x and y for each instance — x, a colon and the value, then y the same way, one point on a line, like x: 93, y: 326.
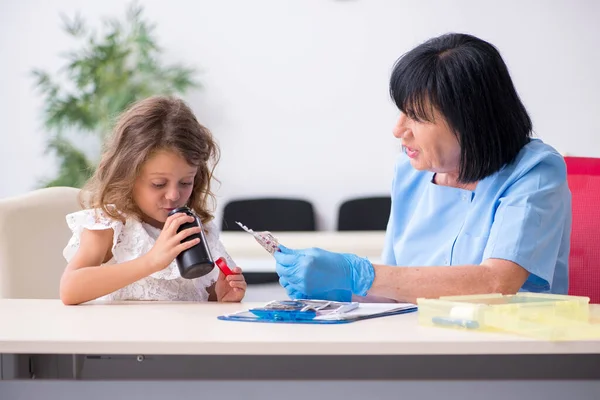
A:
x: 269, y: 214
x: 364, y: 214
x: 583, y: 175
x: 33, y: 234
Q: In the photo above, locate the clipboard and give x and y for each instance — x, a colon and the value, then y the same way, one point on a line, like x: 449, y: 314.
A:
x: 317, y: 312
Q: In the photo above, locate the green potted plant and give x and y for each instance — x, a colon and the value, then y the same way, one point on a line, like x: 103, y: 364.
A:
x: 102, y: 76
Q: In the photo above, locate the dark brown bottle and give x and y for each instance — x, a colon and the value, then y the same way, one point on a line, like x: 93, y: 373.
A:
x: 197, y: 260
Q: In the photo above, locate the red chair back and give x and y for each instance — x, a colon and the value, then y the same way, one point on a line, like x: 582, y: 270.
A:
x: 583, y: 175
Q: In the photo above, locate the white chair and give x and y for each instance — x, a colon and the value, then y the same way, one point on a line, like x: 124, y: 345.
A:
x: 33, y: 233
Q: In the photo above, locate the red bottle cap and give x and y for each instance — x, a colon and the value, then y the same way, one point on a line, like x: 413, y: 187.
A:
x: 222, y: 264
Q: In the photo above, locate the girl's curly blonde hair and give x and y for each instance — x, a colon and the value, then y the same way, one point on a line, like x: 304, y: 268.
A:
x: 150, y: 125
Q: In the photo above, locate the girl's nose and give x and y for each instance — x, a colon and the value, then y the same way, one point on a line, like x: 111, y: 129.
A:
x: 172, y: 195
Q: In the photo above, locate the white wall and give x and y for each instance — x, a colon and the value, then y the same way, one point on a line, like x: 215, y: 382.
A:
x: 299, y: 88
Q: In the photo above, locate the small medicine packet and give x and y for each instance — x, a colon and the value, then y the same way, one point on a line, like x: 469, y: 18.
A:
x: 265, y: 239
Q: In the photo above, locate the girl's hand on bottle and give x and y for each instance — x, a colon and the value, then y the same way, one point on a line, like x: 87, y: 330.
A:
x: 169, y: 245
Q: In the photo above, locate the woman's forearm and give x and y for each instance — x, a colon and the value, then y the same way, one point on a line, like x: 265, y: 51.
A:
x: 372, y: 299
x: 406, y: 284
x: 88, y: 283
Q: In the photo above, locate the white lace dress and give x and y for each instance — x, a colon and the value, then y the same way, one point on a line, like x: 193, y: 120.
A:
x: 134, y: 239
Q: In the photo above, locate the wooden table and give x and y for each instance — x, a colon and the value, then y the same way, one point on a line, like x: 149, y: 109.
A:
x: 130, y: 339
x: 154, y: 350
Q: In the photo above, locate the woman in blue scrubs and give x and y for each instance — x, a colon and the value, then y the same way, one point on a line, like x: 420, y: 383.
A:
x: 478, y: 205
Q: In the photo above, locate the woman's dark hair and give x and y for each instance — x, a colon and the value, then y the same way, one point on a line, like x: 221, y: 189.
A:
x: 465, y: 79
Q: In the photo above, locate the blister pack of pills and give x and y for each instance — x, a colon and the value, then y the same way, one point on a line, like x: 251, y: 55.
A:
x: 265, y: 239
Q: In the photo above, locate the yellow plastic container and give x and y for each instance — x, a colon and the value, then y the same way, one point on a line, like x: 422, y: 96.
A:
x: 543, y: 316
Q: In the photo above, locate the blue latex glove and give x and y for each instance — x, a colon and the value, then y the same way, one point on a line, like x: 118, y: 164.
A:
x: 290, y: 290
x: 316, y: 272
x: 335, y: 295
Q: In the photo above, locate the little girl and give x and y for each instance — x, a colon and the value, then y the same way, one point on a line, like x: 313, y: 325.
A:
x: 124, y: 244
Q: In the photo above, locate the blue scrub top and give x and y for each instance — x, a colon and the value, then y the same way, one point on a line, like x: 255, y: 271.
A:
x: 521, y: 213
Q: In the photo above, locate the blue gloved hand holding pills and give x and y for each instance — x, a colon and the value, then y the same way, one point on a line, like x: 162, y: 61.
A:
x: 319, y: 274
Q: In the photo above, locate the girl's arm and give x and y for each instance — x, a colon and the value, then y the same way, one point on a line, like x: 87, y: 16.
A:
x: 84, y: 279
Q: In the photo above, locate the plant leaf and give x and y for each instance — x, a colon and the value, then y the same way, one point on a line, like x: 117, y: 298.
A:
x: 103, y: 74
